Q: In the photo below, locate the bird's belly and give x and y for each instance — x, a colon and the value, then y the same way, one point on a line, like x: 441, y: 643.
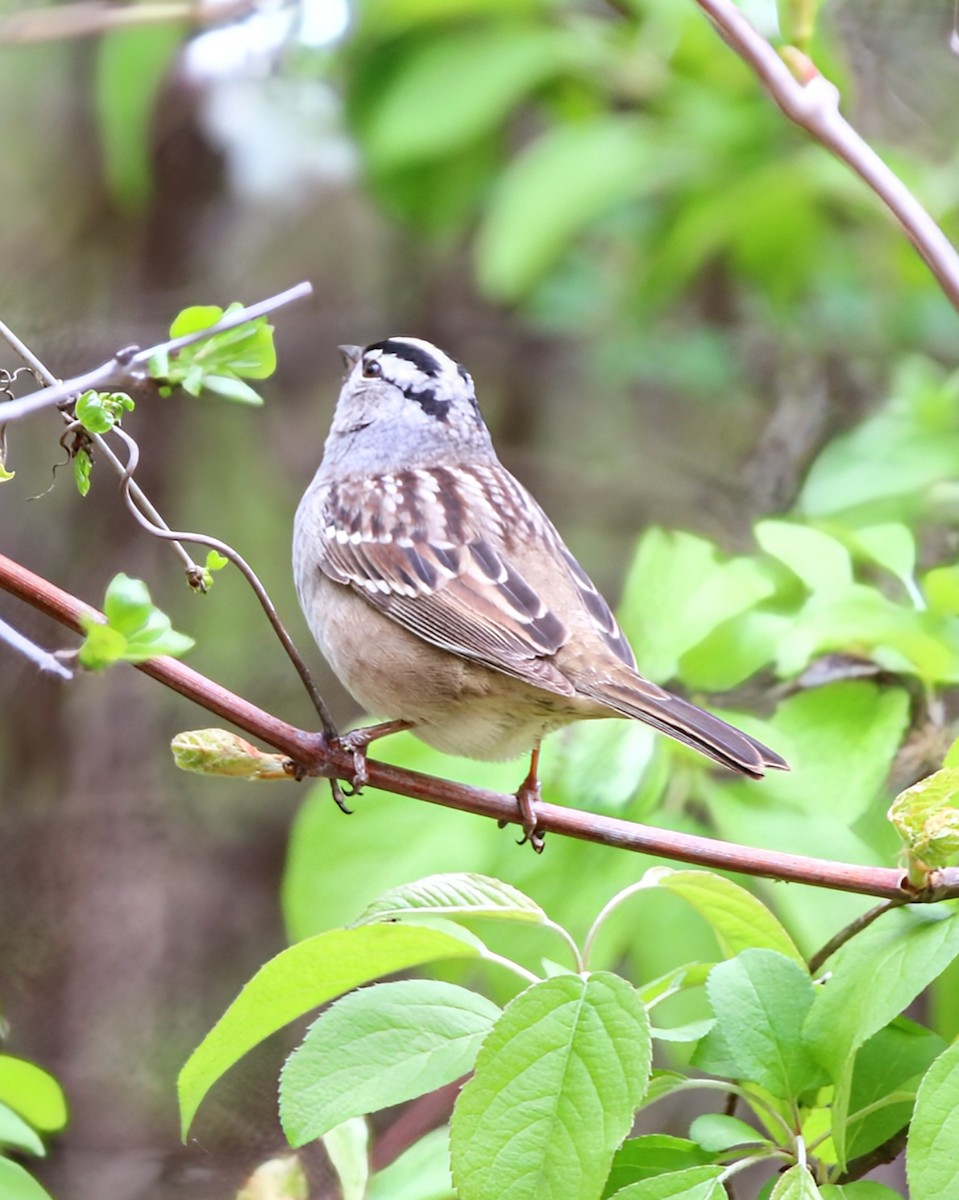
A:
x: 455, y: 705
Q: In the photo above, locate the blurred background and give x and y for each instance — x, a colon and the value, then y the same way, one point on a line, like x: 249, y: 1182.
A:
x: 670, y: 301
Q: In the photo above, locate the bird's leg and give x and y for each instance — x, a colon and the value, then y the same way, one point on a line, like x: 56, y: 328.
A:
x: 526, y: 797
x: 356, y: 743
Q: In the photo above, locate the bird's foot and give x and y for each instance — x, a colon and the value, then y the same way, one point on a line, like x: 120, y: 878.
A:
x: 527, y: 797
x: 355, y: 743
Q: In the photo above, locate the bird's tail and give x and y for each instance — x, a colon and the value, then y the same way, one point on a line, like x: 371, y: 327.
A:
x: 687, y: 724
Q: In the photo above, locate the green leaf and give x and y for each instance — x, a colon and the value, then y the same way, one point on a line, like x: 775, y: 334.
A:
x: 135, y: 629
x: 650, y: 1155
x: 932, y: 1164
x: 887, y: 1068
x: 815, y: 728
x: 379, y: 1046
x: 926, y: 817
x: 195, y: 318
x: 219, y: 362
x: 677, y: 592
x: 738, y: 919
x: 875, y: 976
x: 716, y: 1132
x: 299, y: 979
x: 420, y: 1173
x: 16, y: 1184
x: 859, y: 1189
x: 32, y: 1093
x: 795, y: 1184
x: 940, y: 586
x: 82, y: 470
x: 98, y: 412
x: 17, y: 1134
x: 455, y: 894
x: 555, y: 1088
x: 569, y: 176
x: 457, y: 86
x: 347, y: 1146
x: 761, y: 1000
x: 915, y: 436
x: 695, y: 1183
x: 891, y: 545
x: 130, y: 67
x: 820, y: 561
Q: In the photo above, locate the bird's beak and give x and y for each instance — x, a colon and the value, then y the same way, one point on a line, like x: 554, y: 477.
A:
x: 351, y: 355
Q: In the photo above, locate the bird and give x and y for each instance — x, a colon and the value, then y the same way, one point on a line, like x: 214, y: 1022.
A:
x: 444, y: 598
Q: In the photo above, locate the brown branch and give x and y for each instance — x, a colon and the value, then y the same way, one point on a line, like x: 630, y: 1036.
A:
x: 813, y: 104
x: 315, y: 753
x: 849, y: 931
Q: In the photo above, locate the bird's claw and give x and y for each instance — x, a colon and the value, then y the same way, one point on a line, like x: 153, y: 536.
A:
x: 526, y: 798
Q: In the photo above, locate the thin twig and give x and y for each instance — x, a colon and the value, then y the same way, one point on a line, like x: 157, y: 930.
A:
x: 849, y: 931
x: 30, y: 650
x: 813, y: 104
x: 162, y: 530
x: 83, y: 19
x: 315, y: 753
x: 129, y: 367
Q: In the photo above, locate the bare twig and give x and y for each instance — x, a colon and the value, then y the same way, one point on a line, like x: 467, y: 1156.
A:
x: 813, y: 104
x: 129, y: 367
x: 93, y: 16
x: 849, y: 931
x: 162, y: 530
x: 317, y: 755
x: 30, y: 650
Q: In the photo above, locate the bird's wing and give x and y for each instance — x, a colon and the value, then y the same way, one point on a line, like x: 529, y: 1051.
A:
x: 451, y: 574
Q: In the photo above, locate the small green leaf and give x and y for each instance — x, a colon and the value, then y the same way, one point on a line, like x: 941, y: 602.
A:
x: 932, y: 1165
x: 135, y: 629
x: 98, y: 412
x: 420, y: 1173
x: 859, y: 1189
x: 221, y: 361
x: 886, y: 1073
x: 739, y: 920
x: 215, y: 561
x: 761, y: 1000
x: 455, y: 87
x: 716, y: 1132
x: 82, y: 470
x: 17, y: 1134
x: 16, y: 1184
x: 380, y: 1046
x: 4, y: 473
x: 820, y: 561
x: 891, y: 545
x: 533, y: 1121
x: 795, y: 1184
x: 875, y: 977
x: 347, y: 1146
x: 300, y: 979
x: 940, y: 586
x: 456, y: 894
x: 695, y: 1183
x: 650, y: 1155
x: 573, y: 173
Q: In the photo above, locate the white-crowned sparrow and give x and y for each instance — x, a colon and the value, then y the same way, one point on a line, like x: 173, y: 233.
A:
x: 440, y: 592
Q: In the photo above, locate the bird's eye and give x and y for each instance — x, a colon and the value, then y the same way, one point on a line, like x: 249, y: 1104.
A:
x: 371, y: 368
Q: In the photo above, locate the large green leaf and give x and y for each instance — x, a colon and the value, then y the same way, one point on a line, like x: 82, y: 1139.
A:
x: 379, y: 1046
x: 693, y: 1183
x: 455, y: 86
x: 556, y: 1085
x: 932, y: 1163
x: 761, y: 1000
x: 33, y: 1093
x: 572, y: 174
x: 16, y: 1184
x: 300, y: 979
